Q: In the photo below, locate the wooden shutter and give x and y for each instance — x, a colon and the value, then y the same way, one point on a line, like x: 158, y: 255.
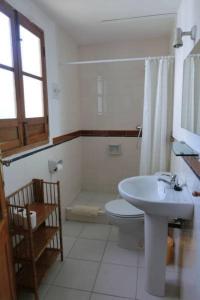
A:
x: 20, y: 133
x: 35, y: 129
x: 11, y: 135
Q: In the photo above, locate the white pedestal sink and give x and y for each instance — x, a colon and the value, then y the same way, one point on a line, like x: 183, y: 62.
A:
x: 159, y: 203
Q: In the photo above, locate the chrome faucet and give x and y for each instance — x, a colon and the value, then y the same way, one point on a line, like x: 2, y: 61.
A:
x: 172, y: 182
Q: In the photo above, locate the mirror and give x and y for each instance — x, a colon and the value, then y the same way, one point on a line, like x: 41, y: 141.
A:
x: 190, y: 118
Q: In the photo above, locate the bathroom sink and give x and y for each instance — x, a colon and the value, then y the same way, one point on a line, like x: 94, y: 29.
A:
x: 160, y: 203
x: 156, y: 197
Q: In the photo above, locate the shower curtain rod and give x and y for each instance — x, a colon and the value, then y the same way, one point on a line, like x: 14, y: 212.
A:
x: 104, y: 61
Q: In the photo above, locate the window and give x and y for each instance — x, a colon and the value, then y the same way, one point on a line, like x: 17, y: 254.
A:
x: 23, y: 86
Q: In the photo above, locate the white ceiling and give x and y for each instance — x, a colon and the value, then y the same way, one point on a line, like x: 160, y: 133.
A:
x: 83, y: 18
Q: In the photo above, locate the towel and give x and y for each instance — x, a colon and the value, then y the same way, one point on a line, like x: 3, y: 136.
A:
x: 87, y: 211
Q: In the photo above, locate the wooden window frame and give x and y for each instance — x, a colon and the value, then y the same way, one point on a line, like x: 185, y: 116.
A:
x: 23, y: 133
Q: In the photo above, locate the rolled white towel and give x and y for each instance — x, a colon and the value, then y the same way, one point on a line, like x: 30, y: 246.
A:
x: 84, y: 210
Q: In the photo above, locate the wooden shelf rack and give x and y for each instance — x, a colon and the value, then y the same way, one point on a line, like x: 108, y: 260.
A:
x: 35, y: 248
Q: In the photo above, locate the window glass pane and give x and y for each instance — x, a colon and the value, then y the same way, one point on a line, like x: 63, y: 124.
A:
x: 33, y: 97
x: 31, y: 52
x: 6, y: 57
x: 7, y: 95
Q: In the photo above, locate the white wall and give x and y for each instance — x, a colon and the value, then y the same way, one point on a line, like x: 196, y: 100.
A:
x: 102, y: 172
x: 69, y: 104
x: 126, y: 49
x: 123, y: 95
x: 188, y: 15
x: 64, y: 113
x: 123, y: 109
x: 123, y: 83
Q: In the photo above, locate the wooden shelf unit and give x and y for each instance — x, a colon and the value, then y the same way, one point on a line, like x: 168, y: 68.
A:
x: 35, y: 249
x: 41, y: 239
x: 25, y: 278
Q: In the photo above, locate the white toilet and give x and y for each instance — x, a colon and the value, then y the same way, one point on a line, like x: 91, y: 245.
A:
x: 130, y: 221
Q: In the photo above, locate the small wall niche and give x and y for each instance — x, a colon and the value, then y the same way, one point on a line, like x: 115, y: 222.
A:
x: 114, y: 149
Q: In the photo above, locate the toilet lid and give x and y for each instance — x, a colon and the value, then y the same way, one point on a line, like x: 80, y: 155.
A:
x: 122, y: 208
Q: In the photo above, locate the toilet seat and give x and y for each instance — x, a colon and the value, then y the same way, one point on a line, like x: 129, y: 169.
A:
x: 122, y: 209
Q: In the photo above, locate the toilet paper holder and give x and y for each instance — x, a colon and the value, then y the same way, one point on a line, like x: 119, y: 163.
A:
x: 55, y: 166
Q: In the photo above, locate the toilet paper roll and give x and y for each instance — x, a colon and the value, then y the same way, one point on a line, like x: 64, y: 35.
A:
x: 59, y: 167
x: 20, y: 218
x: 33, y: 219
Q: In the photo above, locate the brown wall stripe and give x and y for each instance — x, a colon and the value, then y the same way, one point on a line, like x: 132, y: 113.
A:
x: 110, y: 133
x: 194, y: 164
x: 95, y: 133
x: 66, y: 137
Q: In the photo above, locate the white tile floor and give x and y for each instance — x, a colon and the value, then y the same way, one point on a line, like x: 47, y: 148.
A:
x: 95, y: 268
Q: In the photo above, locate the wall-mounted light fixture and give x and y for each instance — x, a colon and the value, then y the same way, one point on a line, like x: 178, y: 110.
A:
x: 178, y: 41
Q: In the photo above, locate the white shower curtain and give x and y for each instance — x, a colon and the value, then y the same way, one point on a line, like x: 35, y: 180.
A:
x: 157, y: 115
